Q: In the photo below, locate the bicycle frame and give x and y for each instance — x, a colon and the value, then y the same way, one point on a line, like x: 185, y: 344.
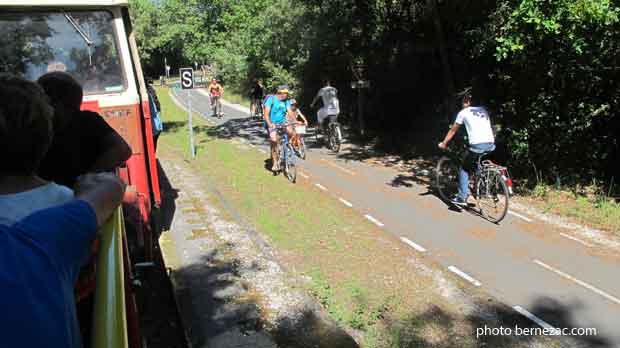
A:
x: 258, y: 108
x: 216, y: 105
x: 283, y: 142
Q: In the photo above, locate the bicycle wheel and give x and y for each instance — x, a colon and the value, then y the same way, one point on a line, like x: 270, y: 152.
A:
x: 302, y: 148
x: 316, y: 134
x: 492, y: 196
x: 290, y: 169
x: 334, y: 142
x: 447, y: 178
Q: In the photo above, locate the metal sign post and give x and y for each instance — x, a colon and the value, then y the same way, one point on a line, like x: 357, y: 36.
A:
x: 187, y: 83
x: 360, y: 84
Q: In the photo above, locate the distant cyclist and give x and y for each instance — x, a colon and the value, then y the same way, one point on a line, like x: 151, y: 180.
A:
x: 256, y: 96
x: 331, y: 105
x: 215, y: 91
x: 481, y: 141
x: 277, y: 110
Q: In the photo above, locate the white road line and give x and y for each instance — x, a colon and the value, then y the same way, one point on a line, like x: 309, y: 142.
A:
x: 262, y: 151
x: 304, y: 175
x: 345, y: 202
x: 251, y: 145
x: 323, y: 188
x: 533, y: 318
x: 576, y: 240
x: 338, y: 167
x: 374, y: 221
x: 413, y: 245
x: 464, y: 275
x: 519, y: 216
x: 580, y: 282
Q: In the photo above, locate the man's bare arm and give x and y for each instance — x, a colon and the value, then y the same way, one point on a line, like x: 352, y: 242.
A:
x: 303, y: 118
x: 449, y: 136
x: 266, y: 112
x: 102, y: 191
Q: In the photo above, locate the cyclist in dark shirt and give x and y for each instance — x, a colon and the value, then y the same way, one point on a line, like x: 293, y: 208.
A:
x: 83, y: 141
x: 256, y: 96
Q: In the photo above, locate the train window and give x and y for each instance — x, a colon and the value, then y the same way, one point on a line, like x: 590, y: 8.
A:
x: 82, y: 43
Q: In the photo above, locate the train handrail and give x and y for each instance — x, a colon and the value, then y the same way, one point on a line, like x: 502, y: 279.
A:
x: 109, y: 315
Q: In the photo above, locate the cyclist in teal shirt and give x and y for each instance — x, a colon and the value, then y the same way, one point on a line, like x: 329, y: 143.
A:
x: 275, y: 112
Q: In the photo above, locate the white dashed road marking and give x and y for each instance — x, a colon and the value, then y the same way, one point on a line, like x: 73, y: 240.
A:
x: 533, y: 318
x: 374, y: 221
x: 519, y: 216
x: 576, y: 240
x: 580, y: 282
x: 323, y: 188
x: 338, y: 167
x: 262, y: 151
x: 464, y: 275
x: 413, y: 245
x: 304, y: 175
x: 345, y: 202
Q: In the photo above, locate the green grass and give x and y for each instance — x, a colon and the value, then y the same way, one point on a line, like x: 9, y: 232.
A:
x: 353, y: 268
x: 587, y: 206
x: 235, y: 97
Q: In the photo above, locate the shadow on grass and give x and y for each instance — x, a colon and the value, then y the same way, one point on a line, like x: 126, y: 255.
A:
x: 169, y: 196
x: 173, y: 126
x: 436, y: 328
x: 219, y: 311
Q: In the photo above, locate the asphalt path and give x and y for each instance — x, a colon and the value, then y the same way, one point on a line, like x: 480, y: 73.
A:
x: 545, y: 273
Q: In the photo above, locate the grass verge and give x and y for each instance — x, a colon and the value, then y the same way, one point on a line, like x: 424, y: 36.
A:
x: 233, y: 96
x: 587, y: 206
x: 366, y: 279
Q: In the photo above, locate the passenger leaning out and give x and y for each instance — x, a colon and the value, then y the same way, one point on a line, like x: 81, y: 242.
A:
x: 83, y: 141
x: 42, y: 248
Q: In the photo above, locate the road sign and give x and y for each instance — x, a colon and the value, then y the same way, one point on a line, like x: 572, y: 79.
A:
x: 187, y: 82
x: 187, y: 78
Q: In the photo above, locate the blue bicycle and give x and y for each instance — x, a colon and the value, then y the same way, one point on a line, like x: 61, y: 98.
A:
x: 286, y: 153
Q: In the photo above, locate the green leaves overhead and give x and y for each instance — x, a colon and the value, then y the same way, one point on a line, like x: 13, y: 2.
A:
x: 548, y: 69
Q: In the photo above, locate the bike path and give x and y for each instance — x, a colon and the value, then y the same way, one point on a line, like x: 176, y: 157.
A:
x: 526, y: 264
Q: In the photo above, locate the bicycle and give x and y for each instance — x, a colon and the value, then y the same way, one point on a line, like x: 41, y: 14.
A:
x: 334, y: 134
x: 258, y: 109
x: 300, y: 129
x: 489, y: 185
x: 216, y: 106
x: 286, y: 153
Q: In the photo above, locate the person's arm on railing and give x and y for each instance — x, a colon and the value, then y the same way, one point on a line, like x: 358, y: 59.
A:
x: 102, y: 191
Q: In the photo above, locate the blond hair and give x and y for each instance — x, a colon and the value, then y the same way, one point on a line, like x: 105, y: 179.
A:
x: 25, y: 126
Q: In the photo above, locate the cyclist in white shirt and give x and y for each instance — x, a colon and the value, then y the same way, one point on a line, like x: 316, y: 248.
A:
x: 481, y: 141
x: 331, y: 105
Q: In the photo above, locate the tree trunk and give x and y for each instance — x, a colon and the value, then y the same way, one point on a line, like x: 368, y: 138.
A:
x: 445, y: 60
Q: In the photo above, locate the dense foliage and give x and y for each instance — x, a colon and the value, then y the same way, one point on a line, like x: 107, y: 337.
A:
x: 548, y: 69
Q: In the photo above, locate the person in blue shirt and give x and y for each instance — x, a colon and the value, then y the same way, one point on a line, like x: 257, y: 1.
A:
x: 276, y: 111
x: 42, y: 251
x: 155, y: 108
